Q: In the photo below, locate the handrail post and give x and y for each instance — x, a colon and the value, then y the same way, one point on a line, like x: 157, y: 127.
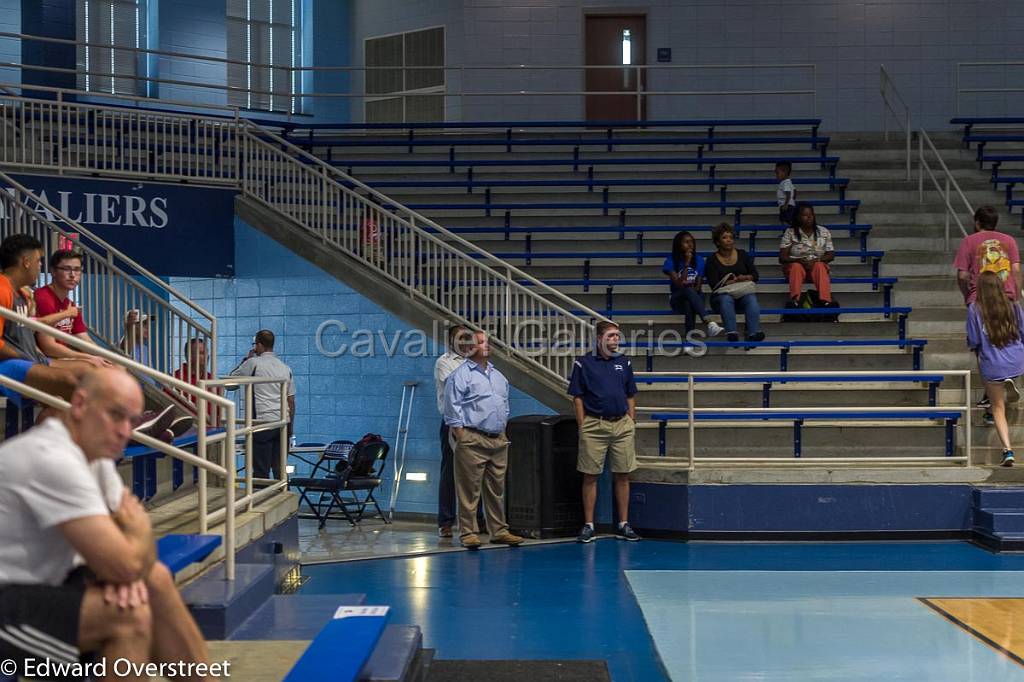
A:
x: 229, y: 495
x: 908, y: 145
x: 967, y: 418
x: 690, y: 422
x: 201, y: 451
x: 283, y: 435
x: 920, y: 167
x: 249, y: 405
x: 947, y: 212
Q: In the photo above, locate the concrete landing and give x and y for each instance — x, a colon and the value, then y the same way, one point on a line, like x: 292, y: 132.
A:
x: 673, y: 470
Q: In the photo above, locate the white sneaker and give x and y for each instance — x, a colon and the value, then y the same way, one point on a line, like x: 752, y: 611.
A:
x: 714, y: 329
x: 1012, y: 393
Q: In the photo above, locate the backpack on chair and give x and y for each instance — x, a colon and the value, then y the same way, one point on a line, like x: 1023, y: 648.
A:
x: 362, y: 458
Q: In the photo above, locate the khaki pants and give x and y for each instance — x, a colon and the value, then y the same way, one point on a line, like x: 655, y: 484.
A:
x: 480, y: 465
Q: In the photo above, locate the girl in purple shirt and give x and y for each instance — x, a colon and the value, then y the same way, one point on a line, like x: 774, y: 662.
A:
x: 995, y: 332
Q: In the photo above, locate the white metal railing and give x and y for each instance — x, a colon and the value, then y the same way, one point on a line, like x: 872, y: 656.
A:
x: 222, y: 440
x: 467, y: 283
x: 452, y: 75
x: 73, y: 137
x: 691, y: 410
x: 1006, y: 66
x: 112, y: 285
x: 891, y: 99
x: 432, y: 265
x: 247, y: 427
x: 944, y: 183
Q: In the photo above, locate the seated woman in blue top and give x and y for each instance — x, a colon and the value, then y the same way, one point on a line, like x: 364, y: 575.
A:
x: 685, y: 270
x: 995, y: 332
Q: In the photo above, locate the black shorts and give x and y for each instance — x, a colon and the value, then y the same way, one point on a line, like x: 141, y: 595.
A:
x: 41, y: 621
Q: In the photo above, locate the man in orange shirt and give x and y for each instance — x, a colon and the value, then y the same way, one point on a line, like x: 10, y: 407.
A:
x: 21, y: 259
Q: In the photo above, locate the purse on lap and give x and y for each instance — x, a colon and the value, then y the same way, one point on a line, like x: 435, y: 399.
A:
x: 728, y: 285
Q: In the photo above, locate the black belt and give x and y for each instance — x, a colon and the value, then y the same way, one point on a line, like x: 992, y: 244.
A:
x: 607, y: 419
x: 483, y: 433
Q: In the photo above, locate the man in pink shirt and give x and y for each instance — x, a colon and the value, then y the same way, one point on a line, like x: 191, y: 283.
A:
x: 988, y: 250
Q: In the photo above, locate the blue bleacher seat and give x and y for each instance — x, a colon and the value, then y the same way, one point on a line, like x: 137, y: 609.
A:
x: 341, y: 649
x: 177, y: 551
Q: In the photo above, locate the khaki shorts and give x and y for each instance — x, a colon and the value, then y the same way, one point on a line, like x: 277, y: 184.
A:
x: 600, y: 438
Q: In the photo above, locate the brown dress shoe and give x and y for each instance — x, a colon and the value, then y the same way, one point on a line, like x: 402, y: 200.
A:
x: 506, y: 538
x: 444, y: 532
x: 471, y: 541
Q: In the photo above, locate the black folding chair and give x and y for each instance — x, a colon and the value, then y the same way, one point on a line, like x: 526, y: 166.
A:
x: 338, y: 479
x: 332, y: 466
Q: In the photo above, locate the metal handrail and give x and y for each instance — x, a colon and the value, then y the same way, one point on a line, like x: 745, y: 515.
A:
x: 110, y: 286
x: 249, y: 427
x: 440, y: 257
x: 888, y: 87
x: 949, y: 182
x: 250, y: 157
x: 692, y: 410
x: 202, y: 398
x: 958, y: 91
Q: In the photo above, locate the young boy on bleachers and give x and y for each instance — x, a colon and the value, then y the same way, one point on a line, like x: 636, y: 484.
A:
x: 785, y: 195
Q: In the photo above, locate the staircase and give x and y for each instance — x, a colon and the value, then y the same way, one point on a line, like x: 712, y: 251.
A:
x: 317, y: 211
x: 998, y: 518
x: 912, y: 236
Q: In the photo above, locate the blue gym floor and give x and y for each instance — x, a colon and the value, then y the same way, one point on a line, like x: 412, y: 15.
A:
x: 699, y: 611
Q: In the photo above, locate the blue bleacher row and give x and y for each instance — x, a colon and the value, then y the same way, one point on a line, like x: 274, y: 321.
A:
x: 980, y: 140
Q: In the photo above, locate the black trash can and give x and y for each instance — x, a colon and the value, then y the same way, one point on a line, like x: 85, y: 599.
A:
x: 543, y: 497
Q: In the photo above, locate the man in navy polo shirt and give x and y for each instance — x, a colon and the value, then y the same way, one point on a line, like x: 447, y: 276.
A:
x: 603, y: 394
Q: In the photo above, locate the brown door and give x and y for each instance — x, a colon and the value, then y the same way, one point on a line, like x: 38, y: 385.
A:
x: 612, y: 40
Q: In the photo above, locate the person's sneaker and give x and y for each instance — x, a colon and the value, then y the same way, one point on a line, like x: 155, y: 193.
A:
x: 733, y: 336
x: 444, y: 532
x: 714, y: 329
x: 984, y: 403
x: 756, y: 337
x: 471, y: 541
x: 988, y: 419
x: 1012, y: 393
x: 586, y: 535
x: 181, y: 423
x: 1007, y: 458
x: 507, y: 538
x: 626, y: 532
x: 156, y: 423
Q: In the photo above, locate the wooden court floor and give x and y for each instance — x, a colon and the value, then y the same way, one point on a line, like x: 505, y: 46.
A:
x: 999, y: 622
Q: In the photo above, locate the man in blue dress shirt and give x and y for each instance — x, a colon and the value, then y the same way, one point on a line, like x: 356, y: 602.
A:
x: 603, y: 390
x: 476, y: 410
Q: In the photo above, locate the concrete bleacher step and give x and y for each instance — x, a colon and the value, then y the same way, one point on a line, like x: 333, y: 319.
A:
x: 1000, y: 521
x: 398, y: 656
x: 292, y: 616
x: 998, y: 498
x: 180, y: 516
x: 220, y: 606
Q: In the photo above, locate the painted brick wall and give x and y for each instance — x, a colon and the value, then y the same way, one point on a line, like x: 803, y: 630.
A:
x: 919, y: 41
x: 340, y: 397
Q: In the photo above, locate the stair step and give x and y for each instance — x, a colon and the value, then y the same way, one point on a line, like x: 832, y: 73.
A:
x: 293, y: 617
x: 397, y: 656
x: 998, y: 498
x: 220, y: 606
x: 1000, y: 521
